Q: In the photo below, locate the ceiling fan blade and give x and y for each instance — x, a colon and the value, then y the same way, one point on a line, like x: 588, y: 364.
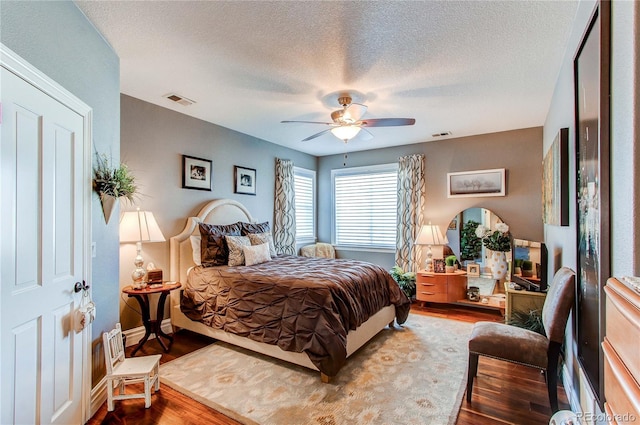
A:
x: 364, y: 134
x: 307, y: 122
x: 313, y: 136
x: 387, y: 122
x: 354, y: 112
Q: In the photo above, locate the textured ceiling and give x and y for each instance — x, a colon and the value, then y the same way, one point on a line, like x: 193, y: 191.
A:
x: 468, y: 67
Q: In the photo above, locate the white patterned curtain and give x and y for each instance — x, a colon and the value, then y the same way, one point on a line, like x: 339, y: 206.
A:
x: 284, y: 227
x: 411, y: 194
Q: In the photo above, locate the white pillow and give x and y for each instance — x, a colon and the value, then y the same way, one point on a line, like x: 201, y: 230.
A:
x: 256, y: 254
x: 195, y: 246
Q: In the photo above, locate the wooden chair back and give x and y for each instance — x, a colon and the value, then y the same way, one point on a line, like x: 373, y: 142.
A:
x: 113, y: 348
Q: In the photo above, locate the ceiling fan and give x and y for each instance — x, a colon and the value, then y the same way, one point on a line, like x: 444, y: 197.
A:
x: 348, y: 123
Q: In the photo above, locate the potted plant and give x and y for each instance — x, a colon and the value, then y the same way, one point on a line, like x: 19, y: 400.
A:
x: 498, y: 242
x: 112, y: 183
x: 517, y: 267
x: 406, y: 281
x: 471, y: 245
x: 450, y: 263
x: 527, y: 268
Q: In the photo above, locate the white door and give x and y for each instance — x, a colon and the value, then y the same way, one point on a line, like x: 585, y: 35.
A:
x: 41, y: 245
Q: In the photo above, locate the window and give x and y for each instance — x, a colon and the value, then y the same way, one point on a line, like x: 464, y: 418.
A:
x: 365, y: 206
x: 305, y: 188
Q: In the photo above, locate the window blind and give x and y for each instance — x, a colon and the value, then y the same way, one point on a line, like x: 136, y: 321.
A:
x: 365, y: 206
x: 304, y: 185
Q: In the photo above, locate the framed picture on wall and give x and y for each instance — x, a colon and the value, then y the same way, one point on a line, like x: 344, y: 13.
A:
x: 555, y: 181
x: 466, y: 184
x: 591, y: 73
x: 196, y: 173
x: 245, y: 180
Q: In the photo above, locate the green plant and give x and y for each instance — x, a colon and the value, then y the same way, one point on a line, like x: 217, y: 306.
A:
x: 406, y: 280
x: 518, y: 262
x: 470, y: 244
x: 114, y: 181
x: 451, y: 260
x: 496, y: 240
x: 531, y: 320
x: 527, y: 265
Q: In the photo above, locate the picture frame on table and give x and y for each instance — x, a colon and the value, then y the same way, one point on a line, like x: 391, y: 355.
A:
x: 245, y: 180
x: 196, y: 173
x: 466, y: 184
x: 473, y: 269
x: 439, y: 265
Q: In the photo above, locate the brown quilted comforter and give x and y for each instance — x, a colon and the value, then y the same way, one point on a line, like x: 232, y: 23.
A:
x: 299, y: 304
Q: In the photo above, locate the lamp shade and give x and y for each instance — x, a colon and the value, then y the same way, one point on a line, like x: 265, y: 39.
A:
x: 139, y: 226
x: 430, y: 234
x: 346, y: 132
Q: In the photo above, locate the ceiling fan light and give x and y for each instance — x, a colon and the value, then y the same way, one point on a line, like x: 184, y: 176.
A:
x: 346, y: 132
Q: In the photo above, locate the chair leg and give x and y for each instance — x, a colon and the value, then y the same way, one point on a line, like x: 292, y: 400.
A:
x: 110, y: 406
x: 471, y: 373
x: 157, y: 377
x: 552, y: 375
x: 147, y: 392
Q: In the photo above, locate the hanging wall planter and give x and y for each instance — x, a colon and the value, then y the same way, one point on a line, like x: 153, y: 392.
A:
x: 108, y: 205
x: 112, y: 184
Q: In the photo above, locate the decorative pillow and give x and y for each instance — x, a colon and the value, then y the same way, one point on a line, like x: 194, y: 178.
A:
x: 235, y: 244
x: 260, y: 238
x: 195, y: 246
x: 256, y: 254
x: 213, y: 248
x: 248, y: 228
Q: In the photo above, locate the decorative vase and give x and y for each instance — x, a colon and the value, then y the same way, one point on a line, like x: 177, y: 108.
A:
x: 498, y: 264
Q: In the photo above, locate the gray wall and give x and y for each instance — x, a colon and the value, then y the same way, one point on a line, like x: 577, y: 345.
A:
x: 57, y: 39
x: 518, y: 151
x: 625, y: 174
x: 153, y: 140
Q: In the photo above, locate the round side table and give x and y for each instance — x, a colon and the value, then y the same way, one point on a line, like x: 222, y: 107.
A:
x: 152, y: 326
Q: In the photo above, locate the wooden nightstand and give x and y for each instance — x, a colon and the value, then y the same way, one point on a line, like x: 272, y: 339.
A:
x: 152, y: 326
x: 441, y: 287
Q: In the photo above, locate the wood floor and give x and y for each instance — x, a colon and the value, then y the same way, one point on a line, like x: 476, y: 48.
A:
x: 503, y: 393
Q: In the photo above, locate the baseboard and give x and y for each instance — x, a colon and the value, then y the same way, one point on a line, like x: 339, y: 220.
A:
x: 135, y: 334
x: 572, y: 395
x: 98, y: 397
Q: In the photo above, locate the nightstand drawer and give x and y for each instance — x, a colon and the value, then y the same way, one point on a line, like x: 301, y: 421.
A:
x: 428, y: 296
x: 437, y: 287
x: 431, y: 278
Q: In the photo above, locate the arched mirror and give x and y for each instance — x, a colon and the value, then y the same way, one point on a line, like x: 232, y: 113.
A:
x: 466, y: 243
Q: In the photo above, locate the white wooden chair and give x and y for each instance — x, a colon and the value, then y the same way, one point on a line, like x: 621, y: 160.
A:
x: 122, y: 371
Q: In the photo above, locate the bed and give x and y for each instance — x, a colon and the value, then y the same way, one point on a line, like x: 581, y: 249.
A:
x: 356, y: 332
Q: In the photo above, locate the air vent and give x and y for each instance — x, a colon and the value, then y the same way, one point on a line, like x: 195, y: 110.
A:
x: 444, y: 133
x: 179, y: 99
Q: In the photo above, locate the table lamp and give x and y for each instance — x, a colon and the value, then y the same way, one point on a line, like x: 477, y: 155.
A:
x: 430, y: 235
x: 139, y: 226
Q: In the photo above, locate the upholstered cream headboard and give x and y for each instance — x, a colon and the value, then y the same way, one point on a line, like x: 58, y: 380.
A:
x: 219, y: 211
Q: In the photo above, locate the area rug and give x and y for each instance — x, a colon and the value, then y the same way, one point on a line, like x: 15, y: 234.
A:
x: 412, y: 374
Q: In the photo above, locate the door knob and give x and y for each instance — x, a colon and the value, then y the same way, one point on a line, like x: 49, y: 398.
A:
x: 80, y: 286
